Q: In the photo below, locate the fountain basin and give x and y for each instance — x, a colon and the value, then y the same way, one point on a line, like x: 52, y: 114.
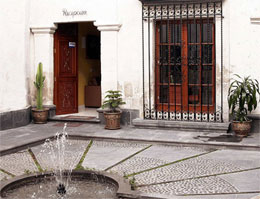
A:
x: 83, y: 184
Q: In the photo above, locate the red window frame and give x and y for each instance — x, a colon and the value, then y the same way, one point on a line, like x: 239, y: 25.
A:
x: 178, y: 93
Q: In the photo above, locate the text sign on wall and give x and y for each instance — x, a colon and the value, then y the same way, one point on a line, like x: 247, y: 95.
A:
x: 73, y: 13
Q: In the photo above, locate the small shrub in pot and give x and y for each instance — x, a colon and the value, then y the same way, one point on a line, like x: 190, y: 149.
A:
x: 242, y: 99
x: 112, y: 101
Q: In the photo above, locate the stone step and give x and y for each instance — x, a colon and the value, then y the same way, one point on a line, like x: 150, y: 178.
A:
x: 183, y: 126
x: 64, y: 119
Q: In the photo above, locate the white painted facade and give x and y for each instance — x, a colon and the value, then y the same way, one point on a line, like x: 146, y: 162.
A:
x: 27, y: 33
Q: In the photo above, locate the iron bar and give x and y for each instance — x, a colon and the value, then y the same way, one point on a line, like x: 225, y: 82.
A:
x: 187, y: 57
x: 161, y: 65
x: 196, y: 58
x: 156, y: 64
x: 169, y: 60
x: 201, y: 60
x: 143, y: 60
x: 215, y: 63
x: 174, y: 61
x: 181, y: 60
x: 149, y: 60
x: 221, y: 61
x: 207, y: 67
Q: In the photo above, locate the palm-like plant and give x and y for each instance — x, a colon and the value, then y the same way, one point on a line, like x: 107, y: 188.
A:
x: 113, y: 100
x: 242, y: 97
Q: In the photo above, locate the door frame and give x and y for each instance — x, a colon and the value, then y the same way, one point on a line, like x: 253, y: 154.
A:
x: 56, y: 56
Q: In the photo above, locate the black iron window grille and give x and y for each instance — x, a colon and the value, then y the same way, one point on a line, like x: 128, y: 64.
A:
x: 183, y: 61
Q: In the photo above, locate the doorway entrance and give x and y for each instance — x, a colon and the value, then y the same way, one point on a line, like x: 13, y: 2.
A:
x: 77, y: 67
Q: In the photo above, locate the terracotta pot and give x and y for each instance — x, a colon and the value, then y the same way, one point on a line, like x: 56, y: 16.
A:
x: 40, y: 116
x: 242, y: 129
x: 112, y: 120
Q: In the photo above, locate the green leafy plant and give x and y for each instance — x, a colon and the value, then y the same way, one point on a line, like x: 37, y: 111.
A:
x: 113, y: 100
x: 26, y: 171
x: 242, y: 97
x: 39, y: 86
x: 132, y: 183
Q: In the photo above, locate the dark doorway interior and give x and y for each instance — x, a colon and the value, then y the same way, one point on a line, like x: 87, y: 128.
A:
x: 77, y: 86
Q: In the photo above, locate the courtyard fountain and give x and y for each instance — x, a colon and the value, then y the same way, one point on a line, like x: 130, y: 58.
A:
x: 63, y: 182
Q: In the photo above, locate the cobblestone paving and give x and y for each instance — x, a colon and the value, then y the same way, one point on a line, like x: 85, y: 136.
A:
x: 137, y: 164
x: 187, y: 174
x: 241, y: 158
x: 107, y: 144
x: 194, y: 167
x: 110, y: 153
x: 208, y: 185
x: 155, y: 156
x: 172, y: 152
x: 18, y: 163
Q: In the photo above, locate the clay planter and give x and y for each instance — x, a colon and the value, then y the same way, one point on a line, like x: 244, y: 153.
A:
x: 242, y: 129
x: 112, y: 120
x: 40, y: 116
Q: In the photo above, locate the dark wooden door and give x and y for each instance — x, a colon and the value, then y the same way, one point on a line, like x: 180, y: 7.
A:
x: 66, y: 69
x: 185, y: 65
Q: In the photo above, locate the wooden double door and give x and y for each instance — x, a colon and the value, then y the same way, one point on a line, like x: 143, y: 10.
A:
x: 185, y: 65
x: 66, y: 69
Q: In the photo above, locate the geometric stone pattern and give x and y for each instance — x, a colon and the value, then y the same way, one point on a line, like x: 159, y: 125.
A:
x: 242, y: 158
x: 184, y: 177
x: 18, y: 163
x: 155, y: 156
x: 238, y: 180
x: 171, y: 153
x: 208, y: 185
x: 136, y: 164
x: 107, y: 144
x: 103, y: 154
x: 74, y: 150
x: 190, y: 168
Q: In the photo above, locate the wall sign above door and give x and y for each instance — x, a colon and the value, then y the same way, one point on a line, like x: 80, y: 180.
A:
x: 73, y: 13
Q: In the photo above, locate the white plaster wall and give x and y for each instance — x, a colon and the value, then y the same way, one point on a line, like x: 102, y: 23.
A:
x: 14, y: 48
x: 245, y: 40
x: 47, y: 12
x: 121, y: 50
x: 130, y: 53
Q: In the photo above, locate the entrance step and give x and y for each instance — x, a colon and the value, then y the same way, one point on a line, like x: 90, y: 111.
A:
x: 183, y: 126
x: 70, y: 118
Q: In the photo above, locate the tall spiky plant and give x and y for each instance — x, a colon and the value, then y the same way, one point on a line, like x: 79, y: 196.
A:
x: 39, y: 85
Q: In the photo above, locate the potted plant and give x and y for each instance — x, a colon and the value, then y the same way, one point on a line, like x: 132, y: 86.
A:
x: 113, y: 100
x: 39, y: 113
x: 242, y: 98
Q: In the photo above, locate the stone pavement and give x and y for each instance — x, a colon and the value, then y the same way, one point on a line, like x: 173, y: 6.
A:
x: 32, y: 133
x: 171, y: 165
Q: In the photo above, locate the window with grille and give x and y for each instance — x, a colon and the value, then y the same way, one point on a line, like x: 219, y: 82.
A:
x: 182, y: 60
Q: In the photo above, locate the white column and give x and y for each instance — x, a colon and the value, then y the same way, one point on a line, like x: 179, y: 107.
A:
x: 109, y: 56
x: 43, y: 52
